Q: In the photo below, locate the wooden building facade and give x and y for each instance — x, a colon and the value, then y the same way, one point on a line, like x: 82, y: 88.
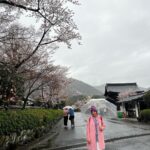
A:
x: 128, y: 97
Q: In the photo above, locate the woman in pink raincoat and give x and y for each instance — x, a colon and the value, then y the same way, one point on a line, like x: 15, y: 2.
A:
x: 94, y: 131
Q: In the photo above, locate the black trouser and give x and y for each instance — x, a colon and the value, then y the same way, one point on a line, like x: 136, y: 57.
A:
x: 71, y: 118
x: 65, y: 120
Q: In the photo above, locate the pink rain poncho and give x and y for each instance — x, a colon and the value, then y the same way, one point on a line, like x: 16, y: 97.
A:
x: 91, y: 133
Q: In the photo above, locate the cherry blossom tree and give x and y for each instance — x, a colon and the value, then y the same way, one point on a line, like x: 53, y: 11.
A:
x: 25, y: 50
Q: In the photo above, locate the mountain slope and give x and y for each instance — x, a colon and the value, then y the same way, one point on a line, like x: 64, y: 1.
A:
x: 101, y: 88
x: 77, y: 87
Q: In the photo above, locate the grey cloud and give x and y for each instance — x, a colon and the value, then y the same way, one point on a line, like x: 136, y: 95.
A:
x: 116, y: 43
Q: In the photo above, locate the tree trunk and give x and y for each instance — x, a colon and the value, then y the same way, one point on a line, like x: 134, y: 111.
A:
x: 25, y: 103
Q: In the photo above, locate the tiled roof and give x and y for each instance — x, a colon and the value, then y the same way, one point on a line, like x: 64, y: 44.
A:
x: 121, y: 87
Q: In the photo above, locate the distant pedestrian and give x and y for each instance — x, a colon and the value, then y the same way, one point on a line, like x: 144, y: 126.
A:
x: 65, y: 111
x: 94, y: 131
x: 71, y: 117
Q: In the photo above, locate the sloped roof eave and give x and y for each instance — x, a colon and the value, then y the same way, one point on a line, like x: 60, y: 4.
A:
x: 132, y: 98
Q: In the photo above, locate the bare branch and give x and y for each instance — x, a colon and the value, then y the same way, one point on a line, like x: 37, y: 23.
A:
x: 49, y: 42
x: 46, y: 18
x: 34, y: 51
x: 20, y: 6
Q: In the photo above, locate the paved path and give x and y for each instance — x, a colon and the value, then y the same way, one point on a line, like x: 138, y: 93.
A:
x: 119, y: 135
x: 126, y: 144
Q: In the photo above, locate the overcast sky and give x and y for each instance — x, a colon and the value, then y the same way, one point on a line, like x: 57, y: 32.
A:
x: 115, y: 42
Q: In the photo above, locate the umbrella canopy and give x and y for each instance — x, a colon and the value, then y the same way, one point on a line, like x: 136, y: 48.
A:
x: 68, y: 107
x: 103, y: 107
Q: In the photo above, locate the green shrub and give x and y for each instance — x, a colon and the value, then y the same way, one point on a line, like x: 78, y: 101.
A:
x: 147, y: 99
x: 145, y: 115
x: 14, y: 121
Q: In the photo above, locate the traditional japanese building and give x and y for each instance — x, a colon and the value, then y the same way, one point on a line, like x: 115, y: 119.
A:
x: 127, y: 96
x: 112, y: 90
x: 132, y: 105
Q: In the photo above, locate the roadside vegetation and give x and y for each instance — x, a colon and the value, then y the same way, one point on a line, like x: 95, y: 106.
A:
x: 145, y: 114
x: 15, y: 121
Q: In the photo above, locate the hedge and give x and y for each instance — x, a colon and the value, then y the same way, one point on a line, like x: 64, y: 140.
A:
x: 145, y: 115
x: 14, y: 121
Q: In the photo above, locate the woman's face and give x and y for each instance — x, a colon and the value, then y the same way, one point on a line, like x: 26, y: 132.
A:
x: 94, y: 113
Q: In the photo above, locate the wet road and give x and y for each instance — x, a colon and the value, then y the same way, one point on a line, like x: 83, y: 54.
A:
x: 136, y: 143
x: 115, y: 129
x: 119, y: 135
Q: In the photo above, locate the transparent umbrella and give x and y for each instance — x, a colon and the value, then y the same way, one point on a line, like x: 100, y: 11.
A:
x: 103, y: 106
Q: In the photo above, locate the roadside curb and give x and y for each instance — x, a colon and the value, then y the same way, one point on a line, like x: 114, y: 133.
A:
x: 125, y: 137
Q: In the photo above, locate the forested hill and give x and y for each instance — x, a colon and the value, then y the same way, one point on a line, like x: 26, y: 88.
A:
x: 77, y: 87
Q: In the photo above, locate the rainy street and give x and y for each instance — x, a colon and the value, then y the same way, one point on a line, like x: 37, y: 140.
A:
x: 115, y: 129
x: 119, y: 135
x: 74, y: 74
